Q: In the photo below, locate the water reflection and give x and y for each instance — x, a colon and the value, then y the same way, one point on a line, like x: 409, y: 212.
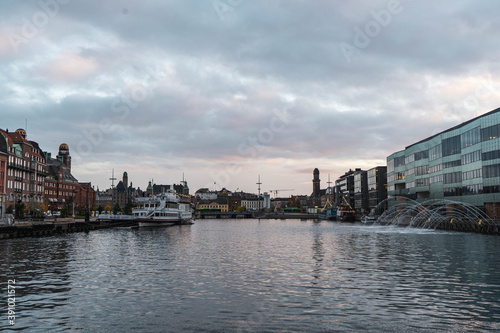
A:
x: 246, y: 275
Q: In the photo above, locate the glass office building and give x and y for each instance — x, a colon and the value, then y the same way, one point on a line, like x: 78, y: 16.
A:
x: 459, y: 164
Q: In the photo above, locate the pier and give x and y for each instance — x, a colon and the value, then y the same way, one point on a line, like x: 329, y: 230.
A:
x: 222, y: 215
x: 43, y: 228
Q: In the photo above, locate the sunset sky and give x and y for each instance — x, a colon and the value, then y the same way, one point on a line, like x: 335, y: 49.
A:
x: 222, y: 91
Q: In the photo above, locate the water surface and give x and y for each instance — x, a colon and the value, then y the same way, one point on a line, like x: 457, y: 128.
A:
x: 254, y: 276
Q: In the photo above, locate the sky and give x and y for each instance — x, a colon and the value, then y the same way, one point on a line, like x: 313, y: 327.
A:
x: 222, y: 91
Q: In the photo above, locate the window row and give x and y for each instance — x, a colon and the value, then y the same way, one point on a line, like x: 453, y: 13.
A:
x: 471, y: 137
x: 454, y: 177
x: 463, y: 190
x: 491, y: 155
x: 451, y: 146
x: 491, y: 189
x: 418, y: 183
x: 471, y: 157
x: 490, y: 133
x: 478, y: 173
x: 436, y: 168
x: 435, y: 153
x: 436, y: 179
x: 451, y: 164
x: 490, y: 171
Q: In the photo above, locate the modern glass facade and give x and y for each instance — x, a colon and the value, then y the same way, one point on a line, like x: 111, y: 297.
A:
x: 377, y: 186
x: 361, y: 192
x: 460, y: 164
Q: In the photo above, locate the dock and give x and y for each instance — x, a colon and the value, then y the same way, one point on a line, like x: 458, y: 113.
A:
x: 40, y: 228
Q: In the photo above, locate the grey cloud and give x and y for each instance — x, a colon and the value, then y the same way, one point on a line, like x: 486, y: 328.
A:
x: 212, y: 85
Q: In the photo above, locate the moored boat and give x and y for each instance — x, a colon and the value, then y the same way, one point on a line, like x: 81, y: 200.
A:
x: 368, y: 219
x: 346, y: 214
x: 329, y: 214
x: 162, y: 210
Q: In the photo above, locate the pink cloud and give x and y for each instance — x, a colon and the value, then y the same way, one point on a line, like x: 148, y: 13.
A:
x: 71, y: 67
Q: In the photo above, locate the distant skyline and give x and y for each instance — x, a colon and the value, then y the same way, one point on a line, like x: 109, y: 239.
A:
x: 223, y: 91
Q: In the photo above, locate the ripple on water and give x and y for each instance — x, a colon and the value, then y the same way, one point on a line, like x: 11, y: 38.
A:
x: 225, y: 275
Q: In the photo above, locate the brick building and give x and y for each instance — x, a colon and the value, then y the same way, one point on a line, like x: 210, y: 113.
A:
x: 24, y: 173
x: 60, y: 185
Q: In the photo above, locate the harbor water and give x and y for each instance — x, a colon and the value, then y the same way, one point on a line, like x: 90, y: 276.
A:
x: 246, y: 275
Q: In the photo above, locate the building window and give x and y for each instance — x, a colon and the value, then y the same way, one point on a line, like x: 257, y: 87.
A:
x: 409, y: 159
x: 422, y: 170
x: 454, y: 177
x: 473, y: 174
x: 490, y: 133
x: 421, y: 155
x: 490, y: 171
x: 491, y: 155
x: 399, y: 161
x: 451, y: 164
x: 452, y: 191
x: 472, y: 189
x: 471, y: 137
x: 491, y: 189
x: 451, y: 146
x: 436, y: 168
x: 436, y: 179
x: 390, y: 166
x: 435, y: 153
x: 471, y: 157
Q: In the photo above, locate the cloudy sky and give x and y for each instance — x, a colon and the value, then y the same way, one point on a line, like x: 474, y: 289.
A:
x: 226, y: 90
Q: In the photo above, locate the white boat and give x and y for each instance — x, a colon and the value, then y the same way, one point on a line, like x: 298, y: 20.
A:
x: 368, y: 219
x: 162, y: 210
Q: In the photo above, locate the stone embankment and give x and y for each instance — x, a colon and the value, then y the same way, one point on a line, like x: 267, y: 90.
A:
x: 63, y: 226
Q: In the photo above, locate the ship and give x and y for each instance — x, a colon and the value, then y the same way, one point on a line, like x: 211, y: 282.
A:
x: 162, y: 210
x: 329, y: 213
x: 346, y: 214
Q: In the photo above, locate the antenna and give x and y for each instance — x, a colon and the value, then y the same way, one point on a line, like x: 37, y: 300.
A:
x: 259, y: 183
x: 112, y: 186
x: 112, y: 178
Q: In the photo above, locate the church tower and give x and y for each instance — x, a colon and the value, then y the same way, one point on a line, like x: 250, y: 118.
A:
x: 64, y: 156
x: 125, y: 180
x: 316, y: 183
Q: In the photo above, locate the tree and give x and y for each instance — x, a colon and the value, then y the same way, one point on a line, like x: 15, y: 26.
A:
x: 241, y: 209
x: 297, y: 202
x: 128, y: 209
x: 67, y: 209
x: 116, y: 208
x: 107, y: 208
x: 20, y: 208
x: 37, y: 211
x: 101, y: 208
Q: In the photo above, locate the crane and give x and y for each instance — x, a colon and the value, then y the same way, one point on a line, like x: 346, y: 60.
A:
x: 277, y: 191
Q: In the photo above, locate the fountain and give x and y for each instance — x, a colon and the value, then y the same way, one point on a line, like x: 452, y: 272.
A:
x: 435, y: 214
